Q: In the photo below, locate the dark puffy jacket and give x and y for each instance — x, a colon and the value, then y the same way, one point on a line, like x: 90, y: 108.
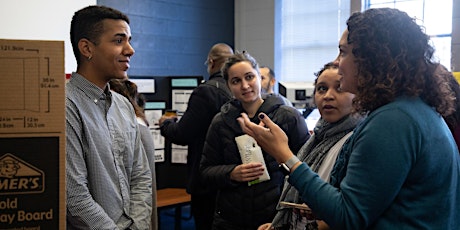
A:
x: 204, y: 103
x: 237, y: 203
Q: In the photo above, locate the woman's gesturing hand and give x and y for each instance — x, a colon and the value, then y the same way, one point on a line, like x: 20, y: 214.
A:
x: 268, y: 135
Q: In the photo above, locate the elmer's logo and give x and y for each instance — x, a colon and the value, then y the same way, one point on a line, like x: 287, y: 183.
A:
x: 18, y: 176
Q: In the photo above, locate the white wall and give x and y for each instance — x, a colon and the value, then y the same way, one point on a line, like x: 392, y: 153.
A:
x: 41, y: 20
x: 255, y: 29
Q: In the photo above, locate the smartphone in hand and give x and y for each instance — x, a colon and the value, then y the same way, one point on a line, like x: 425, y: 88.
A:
x: 294, y: 205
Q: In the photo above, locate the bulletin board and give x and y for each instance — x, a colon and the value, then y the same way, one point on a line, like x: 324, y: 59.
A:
x: 161, y: 93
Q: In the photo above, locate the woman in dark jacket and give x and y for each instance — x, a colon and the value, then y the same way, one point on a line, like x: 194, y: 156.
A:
x: 240, y: 205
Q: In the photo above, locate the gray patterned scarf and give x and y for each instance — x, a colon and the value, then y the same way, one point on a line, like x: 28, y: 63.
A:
x: 313, y: 153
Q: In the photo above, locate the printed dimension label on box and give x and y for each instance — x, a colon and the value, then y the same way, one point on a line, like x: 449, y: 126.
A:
x: 32, y: 82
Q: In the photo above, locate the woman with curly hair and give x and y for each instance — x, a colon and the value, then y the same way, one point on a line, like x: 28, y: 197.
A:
x: 400, y: 168
x: 334, y: 127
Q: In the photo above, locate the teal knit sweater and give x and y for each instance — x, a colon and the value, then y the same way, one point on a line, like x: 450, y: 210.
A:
x: 399, y: 170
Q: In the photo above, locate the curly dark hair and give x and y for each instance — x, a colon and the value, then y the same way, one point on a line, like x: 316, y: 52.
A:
x: 88, y: 23
x: 394, y: 58
x: 453, y: 119
x: 329, y: 65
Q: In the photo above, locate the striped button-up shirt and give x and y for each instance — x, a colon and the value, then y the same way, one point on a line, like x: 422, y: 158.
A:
x: 107, y: 174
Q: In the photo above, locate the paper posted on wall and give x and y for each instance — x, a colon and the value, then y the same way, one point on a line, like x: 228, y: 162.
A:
x: 250, y: 151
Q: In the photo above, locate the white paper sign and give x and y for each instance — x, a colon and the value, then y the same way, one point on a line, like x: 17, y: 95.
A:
x: 144, y: 85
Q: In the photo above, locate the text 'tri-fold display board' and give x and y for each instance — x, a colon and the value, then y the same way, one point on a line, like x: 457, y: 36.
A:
x: 32, y: 135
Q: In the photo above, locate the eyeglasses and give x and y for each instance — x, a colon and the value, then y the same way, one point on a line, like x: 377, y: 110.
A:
x: 208, y: 61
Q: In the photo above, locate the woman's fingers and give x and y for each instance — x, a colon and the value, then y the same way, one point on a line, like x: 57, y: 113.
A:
x: 247, y: 172
x: 269, y: 136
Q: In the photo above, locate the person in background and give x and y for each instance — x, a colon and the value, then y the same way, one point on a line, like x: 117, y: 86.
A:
x: 128, y: 89
x: 401, y: 167
x: 141, y: 100
x: 268, y: 82
x: 452, y: 120
x: 320, y: 151
x: 205, y: 101
x: 241, y: 204
x: 108, y: 180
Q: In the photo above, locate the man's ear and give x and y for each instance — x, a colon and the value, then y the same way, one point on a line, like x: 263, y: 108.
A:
x: 86, y: 47
x: 211, y: 62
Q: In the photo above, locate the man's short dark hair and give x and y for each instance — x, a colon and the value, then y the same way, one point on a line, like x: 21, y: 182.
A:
x: 87, y: 23
x: 271, y: 73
